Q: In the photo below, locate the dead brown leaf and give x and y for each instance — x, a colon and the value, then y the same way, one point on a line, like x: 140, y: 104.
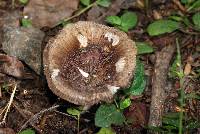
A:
x: 6, y: 131
x: 137, y: 114
x: 11, y: 66
x: 95, y: 12
x: 49, y: 12
x: 187, y: 69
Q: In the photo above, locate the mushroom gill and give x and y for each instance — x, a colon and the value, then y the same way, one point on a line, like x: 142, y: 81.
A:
x: 87, y: 63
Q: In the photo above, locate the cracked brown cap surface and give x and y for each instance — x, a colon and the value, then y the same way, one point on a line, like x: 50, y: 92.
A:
x: 88, y: 62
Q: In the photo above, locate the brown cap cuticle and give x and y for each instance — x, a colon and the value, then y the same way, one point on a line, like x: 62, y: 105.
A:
x: 88, y: 62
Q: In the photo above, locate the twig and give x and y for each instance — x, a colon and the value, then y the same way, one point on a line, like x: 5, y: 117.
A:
x: 24, y: 115
x: 179, y: 5
x: 77, y: 14
x: 7, y: 108
x: 36, y: 116
x: 188, y: 32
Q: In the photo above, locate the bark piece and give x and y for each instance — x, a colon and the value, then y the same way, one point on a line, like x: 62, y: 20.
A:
x: 158, y: 84
x: 11, y: 66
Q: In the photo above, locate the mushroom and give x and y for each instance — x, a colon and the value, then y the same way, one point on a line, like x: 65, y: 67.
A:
x: 87, y: 63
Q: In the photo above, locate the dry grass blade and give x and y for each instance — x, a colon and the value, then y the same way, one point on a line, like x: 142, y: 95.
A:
x: 7, y: 108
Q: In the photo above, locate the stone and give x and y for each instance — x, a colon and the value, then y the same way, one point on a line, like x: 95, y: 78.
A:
x: 25, y: 44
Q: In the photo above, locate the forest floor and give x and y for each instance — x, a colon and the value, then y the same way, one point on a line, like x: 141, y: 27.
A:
x: 168, y: 100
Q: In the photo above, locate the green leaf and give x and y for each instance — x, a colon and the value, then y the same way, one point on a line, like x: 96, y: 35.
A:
x: 143, y: 48
x: 139, y: 82
x: 193, y: 125
x: 196, y: 19
x: 23, y: 1
x: 125, y: 103
x: 192, y: 96
x: 106, y: 131
x: 172, y: 115
x: 73, y: 112
x: 27, y: 131
x: 104, y: 3
x: 176, y: 18
x: 171, y: 122
x: 26, y: 22
x: 107, y: 115
x: 184, y: 1
x: 85, y: 2
x: 196, y: 4
x: 169, y: 128
x: 186, y: 21
x: 114, y: 20
x: 162, y: 26
x: 128, y: 20
x: 174, y: 69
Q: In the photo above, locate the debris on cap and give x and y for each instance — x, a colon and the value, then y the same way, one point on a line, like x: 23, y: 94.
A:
x: 88, y: 63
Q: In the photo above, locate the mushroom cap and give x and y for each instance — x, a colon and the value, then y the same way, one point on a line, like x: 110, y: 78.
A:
x: 87, y: 63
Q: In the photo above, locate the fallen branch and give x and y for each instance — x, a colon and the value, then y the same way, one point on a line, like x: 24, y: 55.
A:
x: 163, y: 59
x: 37, y: 116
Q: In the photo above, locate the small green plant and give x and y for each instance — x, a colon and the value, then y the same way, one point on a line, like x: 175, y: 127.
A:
x: 139, y: 82
x: 85, y: 2
x: 108, y: 114
x: 103, y: 3
x: 124, y: 103
x: 106, y: 131
x: 5, y: 87
x: 75, y: 113
x: 27, y: 131
x: 23, y: 1
x: 125, y: 22
x: 193, y: 5
x: 143, y: 48
x: 162, y: 26
x: 196, y: 20
x: 26, y: 22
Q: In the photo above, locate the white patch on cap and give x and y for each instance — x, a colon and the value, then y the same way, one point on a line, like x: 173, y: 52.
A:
x: 113, y: 38
x: 82, y: 72
x: 83, y: 40
x: 120, y: 64
x: 25, y: 17
x: 55, y: 73
x: 113, y: 89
